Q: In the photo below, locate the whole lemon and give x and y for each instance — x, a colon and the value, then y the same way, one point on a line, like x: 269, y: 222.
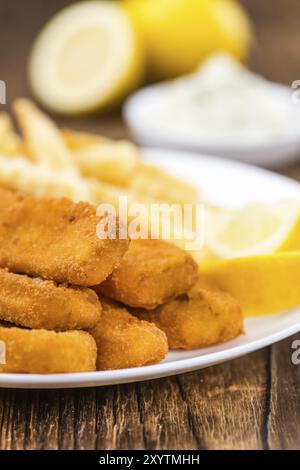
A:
x: 179, y: 34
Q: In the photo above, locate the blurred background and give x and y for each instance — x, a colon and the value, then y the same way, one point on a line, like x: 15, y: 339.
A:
x: 270, y: 47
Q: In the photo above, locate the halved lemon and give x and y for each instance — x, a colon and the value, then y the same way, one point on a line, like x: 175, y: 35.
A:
x: 87, y: 57
x: 253, y: 230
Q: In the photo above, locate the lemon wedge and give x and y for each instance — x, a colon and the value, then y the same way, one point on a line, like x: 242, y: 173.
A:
x: 86, y: 58
x: 262, y: 284
x: 253, y: 230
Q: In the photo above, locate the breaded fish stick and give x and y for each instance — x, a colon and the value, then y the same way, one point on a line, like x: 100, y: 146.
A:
x: 124, y: 341
x: 55, y: 239
x: 203, y: 317
x: 47, y: 352
x: 152, y: 272
x: 35, y: 303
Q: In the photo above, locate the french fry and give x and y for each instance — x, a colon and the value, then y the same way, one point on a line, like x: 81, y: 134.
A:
x: 22, y: 175
x: 19, y: 174
x: 153, y: 183
x: 5, y: 124
x: 10, y: 142
x: 43, y: 140
x: 79, y: 139
x: 106, y: 193
x: 102, y: 158
x: 113, y: 162
x: 119, y: 163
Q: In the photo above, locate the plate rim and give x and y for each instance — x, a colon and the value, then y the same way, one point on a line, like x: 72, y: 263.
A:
x: 149, y: 153
x: 139, y: 374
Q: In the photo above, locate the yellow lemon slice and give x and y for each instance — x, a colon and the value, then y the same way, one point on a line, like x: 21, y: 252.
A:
x: 253, y: 230
x: 262, y: 284
x: 86, y: 57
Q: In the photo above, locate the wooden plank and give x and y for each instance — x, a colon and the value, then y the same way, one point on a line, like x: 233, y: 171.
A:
x: 284, y: 417
x: 29, y: 419
x: 8, y: 438
x: 118, y: 419
x: 165, y: 415
x: 40, y: 419
x: 85, y: 419
x: 147, y: 415
x: 66, y: 414
x: 227, y: 403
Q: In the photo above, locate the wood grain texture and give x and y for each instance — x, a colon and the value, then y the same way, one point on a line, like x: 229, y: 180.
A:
x: 284, y: 416
x: 251, y: 402
x: 165, y: 415
x: 228, y: 403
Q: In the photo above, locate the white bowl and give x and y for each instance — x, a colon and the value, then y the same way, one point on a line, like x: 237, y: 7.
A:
x: 281, y: 150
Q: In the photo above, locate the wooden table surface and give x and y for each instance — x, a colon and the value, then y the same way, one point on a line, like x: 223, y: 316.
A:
x: 249, y: 403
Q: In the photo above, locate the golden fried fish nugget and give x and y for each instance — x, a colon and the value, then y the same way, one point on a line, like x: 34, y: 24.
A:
x: 152, y: 272
x: 47, y: 352
x: 55, y: 238
x: 201, y: 318
x: 124, y: 341
x: 35, y: 303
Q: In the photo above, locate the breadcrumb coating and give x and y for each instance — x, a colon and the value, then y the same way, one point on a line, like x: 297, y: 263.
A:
x: 151, y: 273
x: 47, y: 352
x: 203, y: 317
x: 123, y: 341
x: 35, y: 303
x: 55, y: 238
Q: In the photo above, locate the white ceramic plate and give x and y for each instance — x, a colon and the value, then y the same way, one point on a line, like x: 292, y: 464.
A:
x: 141, y: 105
x: 225, y: 183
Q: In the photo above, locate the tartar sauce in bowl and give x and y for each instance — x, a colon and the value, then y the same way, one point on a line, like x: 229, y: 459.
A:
x: 223, y: 109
